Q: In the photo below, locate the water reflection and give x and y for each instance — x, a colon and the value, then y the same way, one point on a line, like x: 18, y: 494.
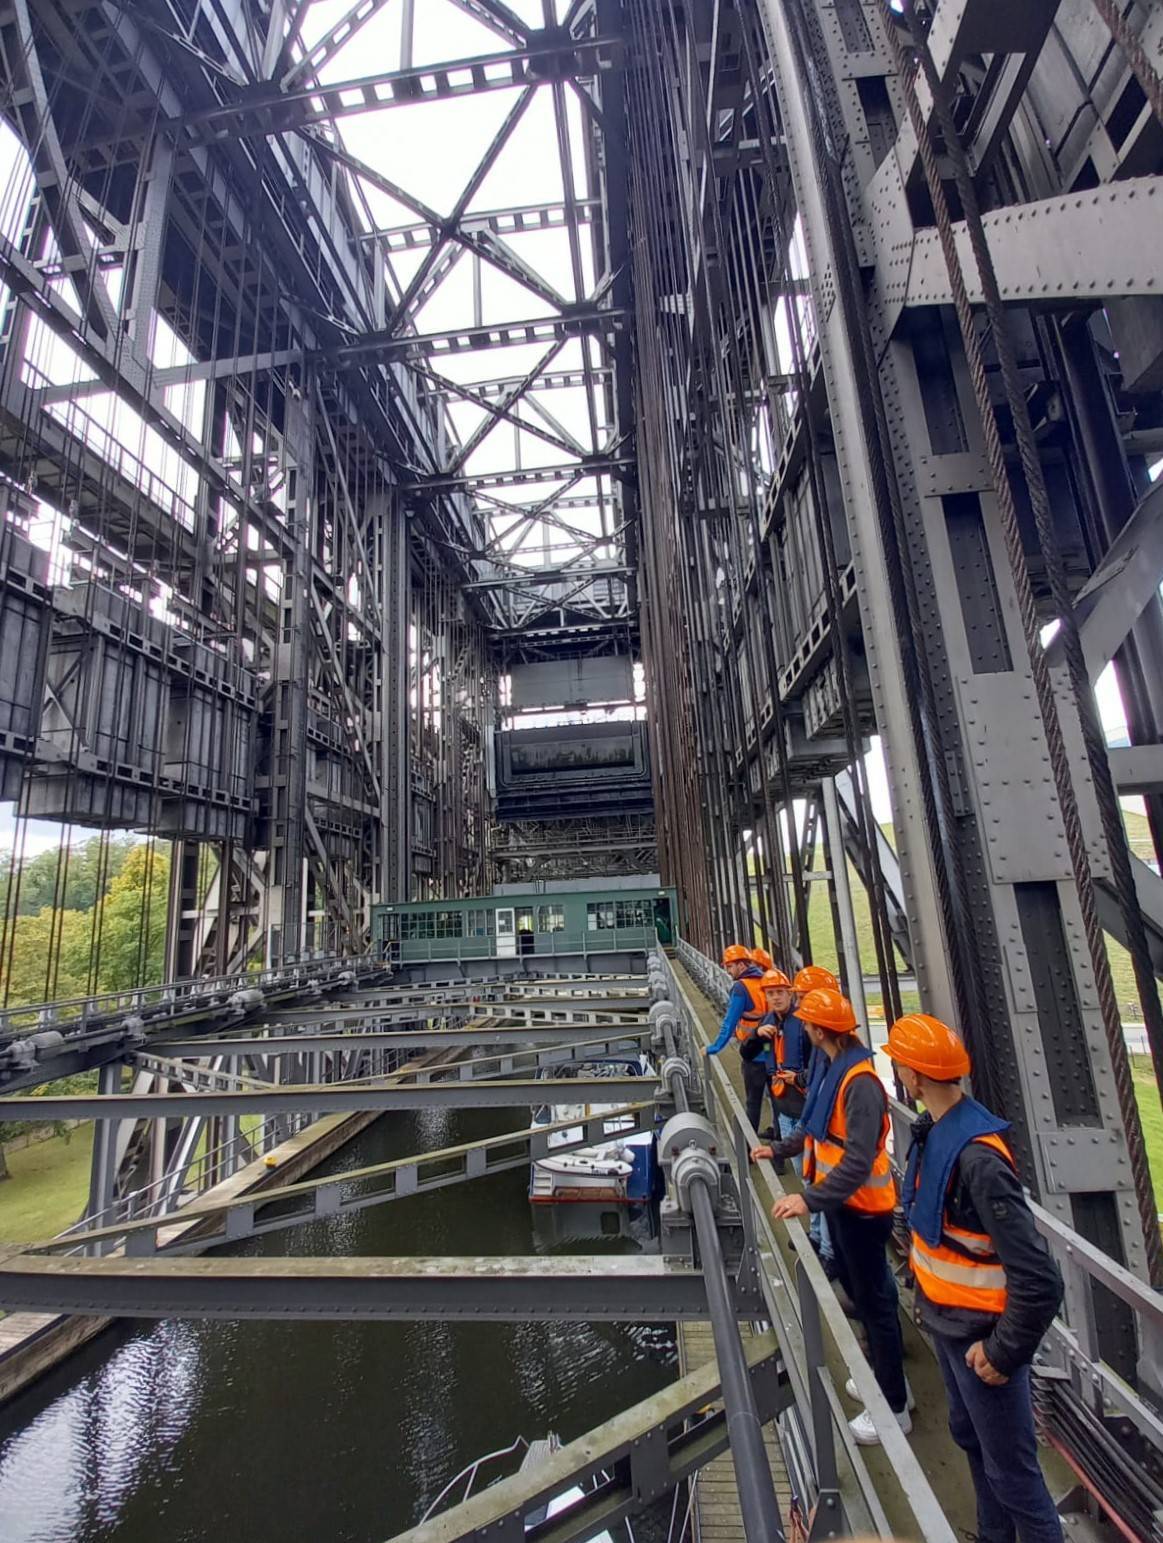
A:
x: 325, y: 1431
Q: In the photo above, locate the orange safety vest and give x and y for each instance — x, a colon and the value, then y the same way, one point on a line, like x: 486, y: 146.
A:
x: 783, y: 1081
x: 963, y: 1270
x: 878, y: 1192
x: 756, y: 1013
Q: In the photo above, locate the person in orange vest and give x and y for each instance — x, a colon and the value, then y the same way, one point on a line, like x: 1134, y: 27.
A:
x: 746, y: 1010
x: 987, y: 1288
x: 806, y: 979
x: 782, y: 1047
x: 765, y: 1046
x: 848, y: 1176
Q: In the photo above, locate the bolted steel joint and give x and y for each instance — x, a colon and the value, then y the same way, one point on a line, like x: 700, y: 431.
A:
x: 133, y: 1028
x: 675, y: 1066
x: 662, y: 1012
x: 687, y: 1130
x: 693, y: 1165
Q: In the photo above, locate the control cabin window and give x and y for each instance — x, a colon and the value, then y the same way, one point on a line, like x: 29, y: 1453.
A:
x: 449, y: 924
x: 600, y: 916
x: 550, y: 918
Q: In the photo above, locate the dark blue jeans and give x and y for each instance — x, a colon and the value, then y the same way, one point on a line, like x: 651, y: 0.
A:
x: 859, y: 1242
x: 994, y: 1427
x: 756, y: 1084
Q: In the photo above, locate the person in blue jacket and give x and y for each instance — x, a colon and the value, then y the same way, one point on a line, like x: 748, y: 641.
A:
x: 783, y: 1047
x: 746, y: 1010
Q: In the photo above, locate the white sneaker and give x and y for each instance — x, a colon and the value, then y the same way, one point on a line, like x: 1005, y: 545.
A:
x: 854, y: 1392
x: 864, y: 1431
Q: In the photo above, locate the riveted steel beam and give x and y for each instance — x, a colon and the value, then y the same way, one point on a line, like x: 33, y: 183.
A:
x: 326, y: 1099
x: 290, y: 1205
x: 590, y: 1288
x: 409, y: 1039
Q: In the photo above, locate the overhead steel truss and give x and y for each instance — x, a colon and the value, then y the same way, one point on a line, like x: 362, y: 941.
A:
x: 245, y: 373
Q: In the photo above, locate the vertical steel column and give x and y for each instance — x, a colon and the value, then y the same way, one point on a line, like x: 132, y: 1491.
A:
x: 103, y: 1168
x: 853, y: 968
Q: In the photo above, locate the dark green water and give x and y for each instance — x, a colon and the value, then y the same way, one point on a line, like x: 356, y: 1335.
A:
x: 289, y: 1431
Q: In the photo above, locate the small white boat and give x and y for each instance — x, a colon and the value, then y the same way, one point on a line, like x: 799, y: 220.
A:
x: 537, y: 1453
x: 463, y: 1485
x: 621, y: 1169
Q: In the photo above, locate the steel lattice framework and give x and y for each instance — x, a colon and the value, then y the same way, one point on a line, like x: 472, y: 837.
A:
x: 823, y: 354
x: 320, y: 457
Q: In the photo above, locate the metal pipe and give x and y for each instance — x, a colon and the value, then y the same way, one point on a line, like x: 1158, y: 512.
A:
x: 757, y: 1502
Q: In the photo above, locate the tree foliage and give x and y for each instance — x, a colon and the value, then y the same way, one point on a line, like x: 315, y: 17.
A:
x: 113, y: 944
x: 80, y: 874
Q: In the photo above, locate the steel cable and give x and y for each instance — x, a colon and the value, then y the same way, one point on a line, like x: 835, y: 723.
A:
x: 1039, y: 668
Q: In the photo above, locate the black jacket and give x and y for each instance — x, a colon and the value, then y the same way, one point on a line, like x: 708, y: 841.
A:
x: 985, y: 1195
x: 865, y: 1102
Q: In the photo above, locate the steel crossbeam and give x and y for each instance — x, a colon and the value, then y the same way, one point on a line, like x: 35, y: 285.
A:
x: 315, y: 1099
x: 555, y: 1034
x: 267, y: 110
x: 589, y: 1288
x: 290, y: 1205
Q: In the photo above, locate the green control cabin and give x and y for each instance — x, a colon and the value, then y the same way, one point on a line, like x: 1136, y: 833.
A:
x: 557, y: 924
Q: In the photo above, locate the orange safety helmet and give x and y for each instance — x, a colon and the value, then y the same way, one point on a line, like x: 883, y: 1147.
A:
x: 762, y: 958
x: 929, y: 1047
x: 814, y: 976
x: 828, y: 1010
x: 735, y: 953
x: 773, y: 978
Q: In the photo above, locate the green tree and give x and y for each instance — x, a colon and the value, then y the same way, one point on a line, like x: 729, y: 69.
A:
x: 133, y: 921
x: 83, y: 874
x: 113, y: 946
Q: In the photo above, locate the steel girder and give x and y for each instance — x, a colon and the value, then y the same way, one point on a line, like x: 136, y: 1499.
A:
x: 827, y: 471
x: 589, y: 1288
x: 336, y: 838
x: 327, y: 1099
x: 993, y: 909
x: 554, y: 1034
x: 205, y: 1224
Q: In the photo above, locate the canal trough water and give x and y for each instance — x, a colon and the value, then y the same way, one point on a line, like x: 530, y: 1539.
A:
x: 270, y: 1431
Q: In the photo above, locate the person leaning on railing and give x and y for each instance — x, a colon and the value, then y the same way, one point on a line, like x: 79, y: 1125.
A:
x: 843, y: 1136
x: 987, y: 1288
x: 746, y: 1010
x: 780, y: 1048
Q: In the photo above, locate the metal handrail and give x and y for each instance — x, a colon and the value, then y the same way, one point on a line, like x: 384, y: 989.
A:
x: 176, y: 994
x: 802, y: 1306
x: 471, y: 1470
x: 1072, y: 1346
